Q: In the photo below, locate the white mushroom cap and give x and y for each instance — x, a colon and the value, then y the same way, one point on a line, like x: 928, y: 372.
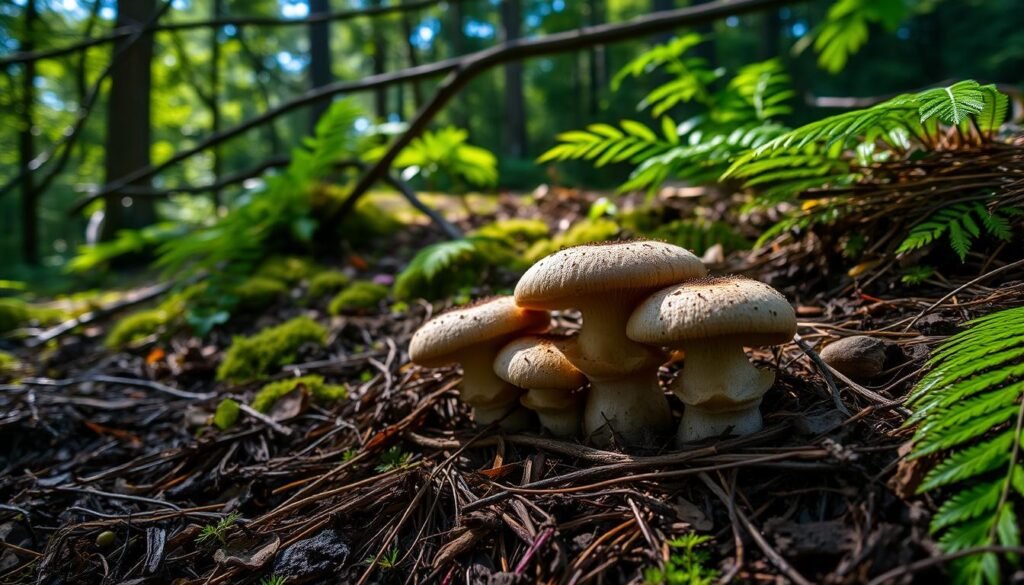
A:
x: 731, y: 306
x: 561, y: 279
x: 538, y: 362
x: 439, y: 341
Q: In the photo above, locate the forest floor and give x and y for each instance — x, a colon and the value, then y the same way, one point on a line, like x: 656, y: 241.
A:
x: 396, y: 485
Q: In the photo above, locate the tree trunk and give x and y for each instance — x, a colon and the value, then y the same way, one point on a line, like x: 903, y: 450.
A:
x: 771, y: 26
x: 128, y: 121
x: 410, y: 49
x: 597, y: 59
x: 457, y: 42
x: 380, y: 95
x: 320, y: 57
x: 26, y: 146
x: 515, y: 110
x: 218, y: 11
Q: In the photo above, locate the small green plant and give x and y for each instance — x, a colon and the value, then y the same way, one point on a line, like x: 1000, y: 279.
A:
x: 359, y: 296
x: 315, y: 385
x: 444, y: 152
x: 968, y: 411
x: 251, y: 358
x: 226, y: 414
x: 216, y: 532
x: 962, y: 224
x: 273, y: 580
x: 393, y: 458
x: 327, y: 282
x: 915, y: 275
x: 387, y: 561
x: 685, y: 565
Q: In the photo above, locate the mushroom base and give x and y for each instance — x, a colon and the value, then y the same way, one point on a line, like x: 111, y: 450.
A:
x: 700, y: 424
x: 518, y: 419
x: 558, y: 411
x: 631, y: 409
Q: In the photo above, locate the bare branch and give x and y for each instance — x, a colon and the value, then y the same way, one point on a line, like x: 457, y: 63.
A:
x: 238, y: 21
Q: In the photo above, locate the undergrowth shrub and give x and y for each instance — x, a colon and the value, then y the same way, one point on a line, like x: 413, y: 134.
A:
x: 315, y: 385
x: 253, y: 357
x: 360, y: 295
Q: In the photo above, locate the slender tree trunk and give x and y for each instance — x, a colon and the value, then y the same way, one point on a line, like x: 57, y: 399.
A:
x: 597, y: 59
x: 320, y: 56
x: 26, y: 146
x: 771, y: 26
x: 515, y: 109
x: 218, y: 11
x: 380, y: 95
x: 128, y: 121
x: 457, y: 42
x: 414, y: 61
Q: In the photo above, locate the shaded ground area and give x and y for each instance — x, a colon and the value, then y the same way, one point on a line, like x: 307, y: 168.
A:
x: 395, y: 485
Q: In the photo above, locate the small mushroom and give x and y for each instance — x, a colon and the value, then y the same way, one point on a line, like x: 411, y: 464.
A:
x: 605, y: 282
x: 538, y: 363
x: 472, y: 337
x: 860, y: 357
x: 713, y: 319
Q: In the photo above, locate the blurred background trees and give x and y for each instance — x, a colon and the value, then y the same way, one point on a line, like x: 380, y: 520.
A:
x: 170, y: 89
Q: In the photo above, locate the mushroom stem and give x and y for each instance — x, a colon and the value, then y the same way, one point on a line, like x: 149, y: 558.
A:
x: 722, y: 390
x: 631, y: 407
x: 558, y: 410
x: 490, y: 396
x: 602, y: 339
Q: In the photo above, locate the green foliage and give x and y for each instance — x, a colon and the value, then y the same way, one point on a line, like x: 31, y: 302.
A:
x: 358, y: 296
x: 962, y: 223
x: 137, y: 326
x: 124, y: 243
x: 273, y: 580
x: 251, y: 358
x: 917, y: 274
x: 968, y: 410
x: 845, y: 29
x: 226, y: 414
x: 393, y: 458
x: 8, y: 363
x: 686, y: 563
x: 216, y: 532
x: 258, y: 292
x: 387, y: 561
x: 315, y: 385
x: 895, y: 122
x: 444, y: 152
x: 737, y: 115
x: 514, y: 230
x: 327, y: 282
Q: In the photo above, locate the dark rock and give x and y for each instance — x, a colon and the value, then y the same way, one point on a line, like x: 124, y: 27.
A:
x: 859, y: 357
x: 307, y: 558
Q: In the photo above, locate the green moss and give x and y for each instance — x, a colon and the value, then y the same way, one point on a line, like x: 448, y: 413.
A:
x: 368, y: 221
x: 327, y: 282
x: 14, y: 313
x: 361, y: 294
x: 138, y: 325
x: 251, y: 358
x: 286, y: 269
x: 315, y: 385
x: 258, y: 292
x: 517, y: 229
x: 8, y: 363
x: 584, y: 232
x: 226, y: 415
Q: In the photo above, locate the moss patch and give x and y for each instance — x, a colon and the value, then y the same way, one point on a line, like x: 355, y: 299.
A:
x: 258, y: 292
x: 14, y: 313
x: 327, y: 282
x: 584, y: 232
x: 226, y: 415
x: 250, y: 358
x: 286, y: 269
x: 315, y: 385
x: 138, y: 325
x: 8, y: 363
x: 357, y: 296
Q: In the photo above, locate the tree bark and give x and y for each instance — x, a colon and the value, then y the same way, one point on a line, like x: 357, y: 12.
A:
x: 128, y: 121
x: 26, y: 146
x: 218, y: 11
x: 457, y: 42
x: 380, y: 95
x: 515, y: 108
x: 597, y: 59
x: 320, y: 57
x: 414, y: 61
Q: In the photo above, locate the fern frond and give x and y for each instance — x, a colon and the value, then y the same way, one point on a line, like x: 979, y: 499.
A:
x: 657, y: 56
x: 969, y: 407
x: 959, y: 222
x: 608, y: 144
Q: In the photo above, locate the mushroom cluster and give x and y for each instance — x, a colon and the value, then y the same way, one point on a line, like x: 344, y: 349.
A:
x: 636, y: 299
